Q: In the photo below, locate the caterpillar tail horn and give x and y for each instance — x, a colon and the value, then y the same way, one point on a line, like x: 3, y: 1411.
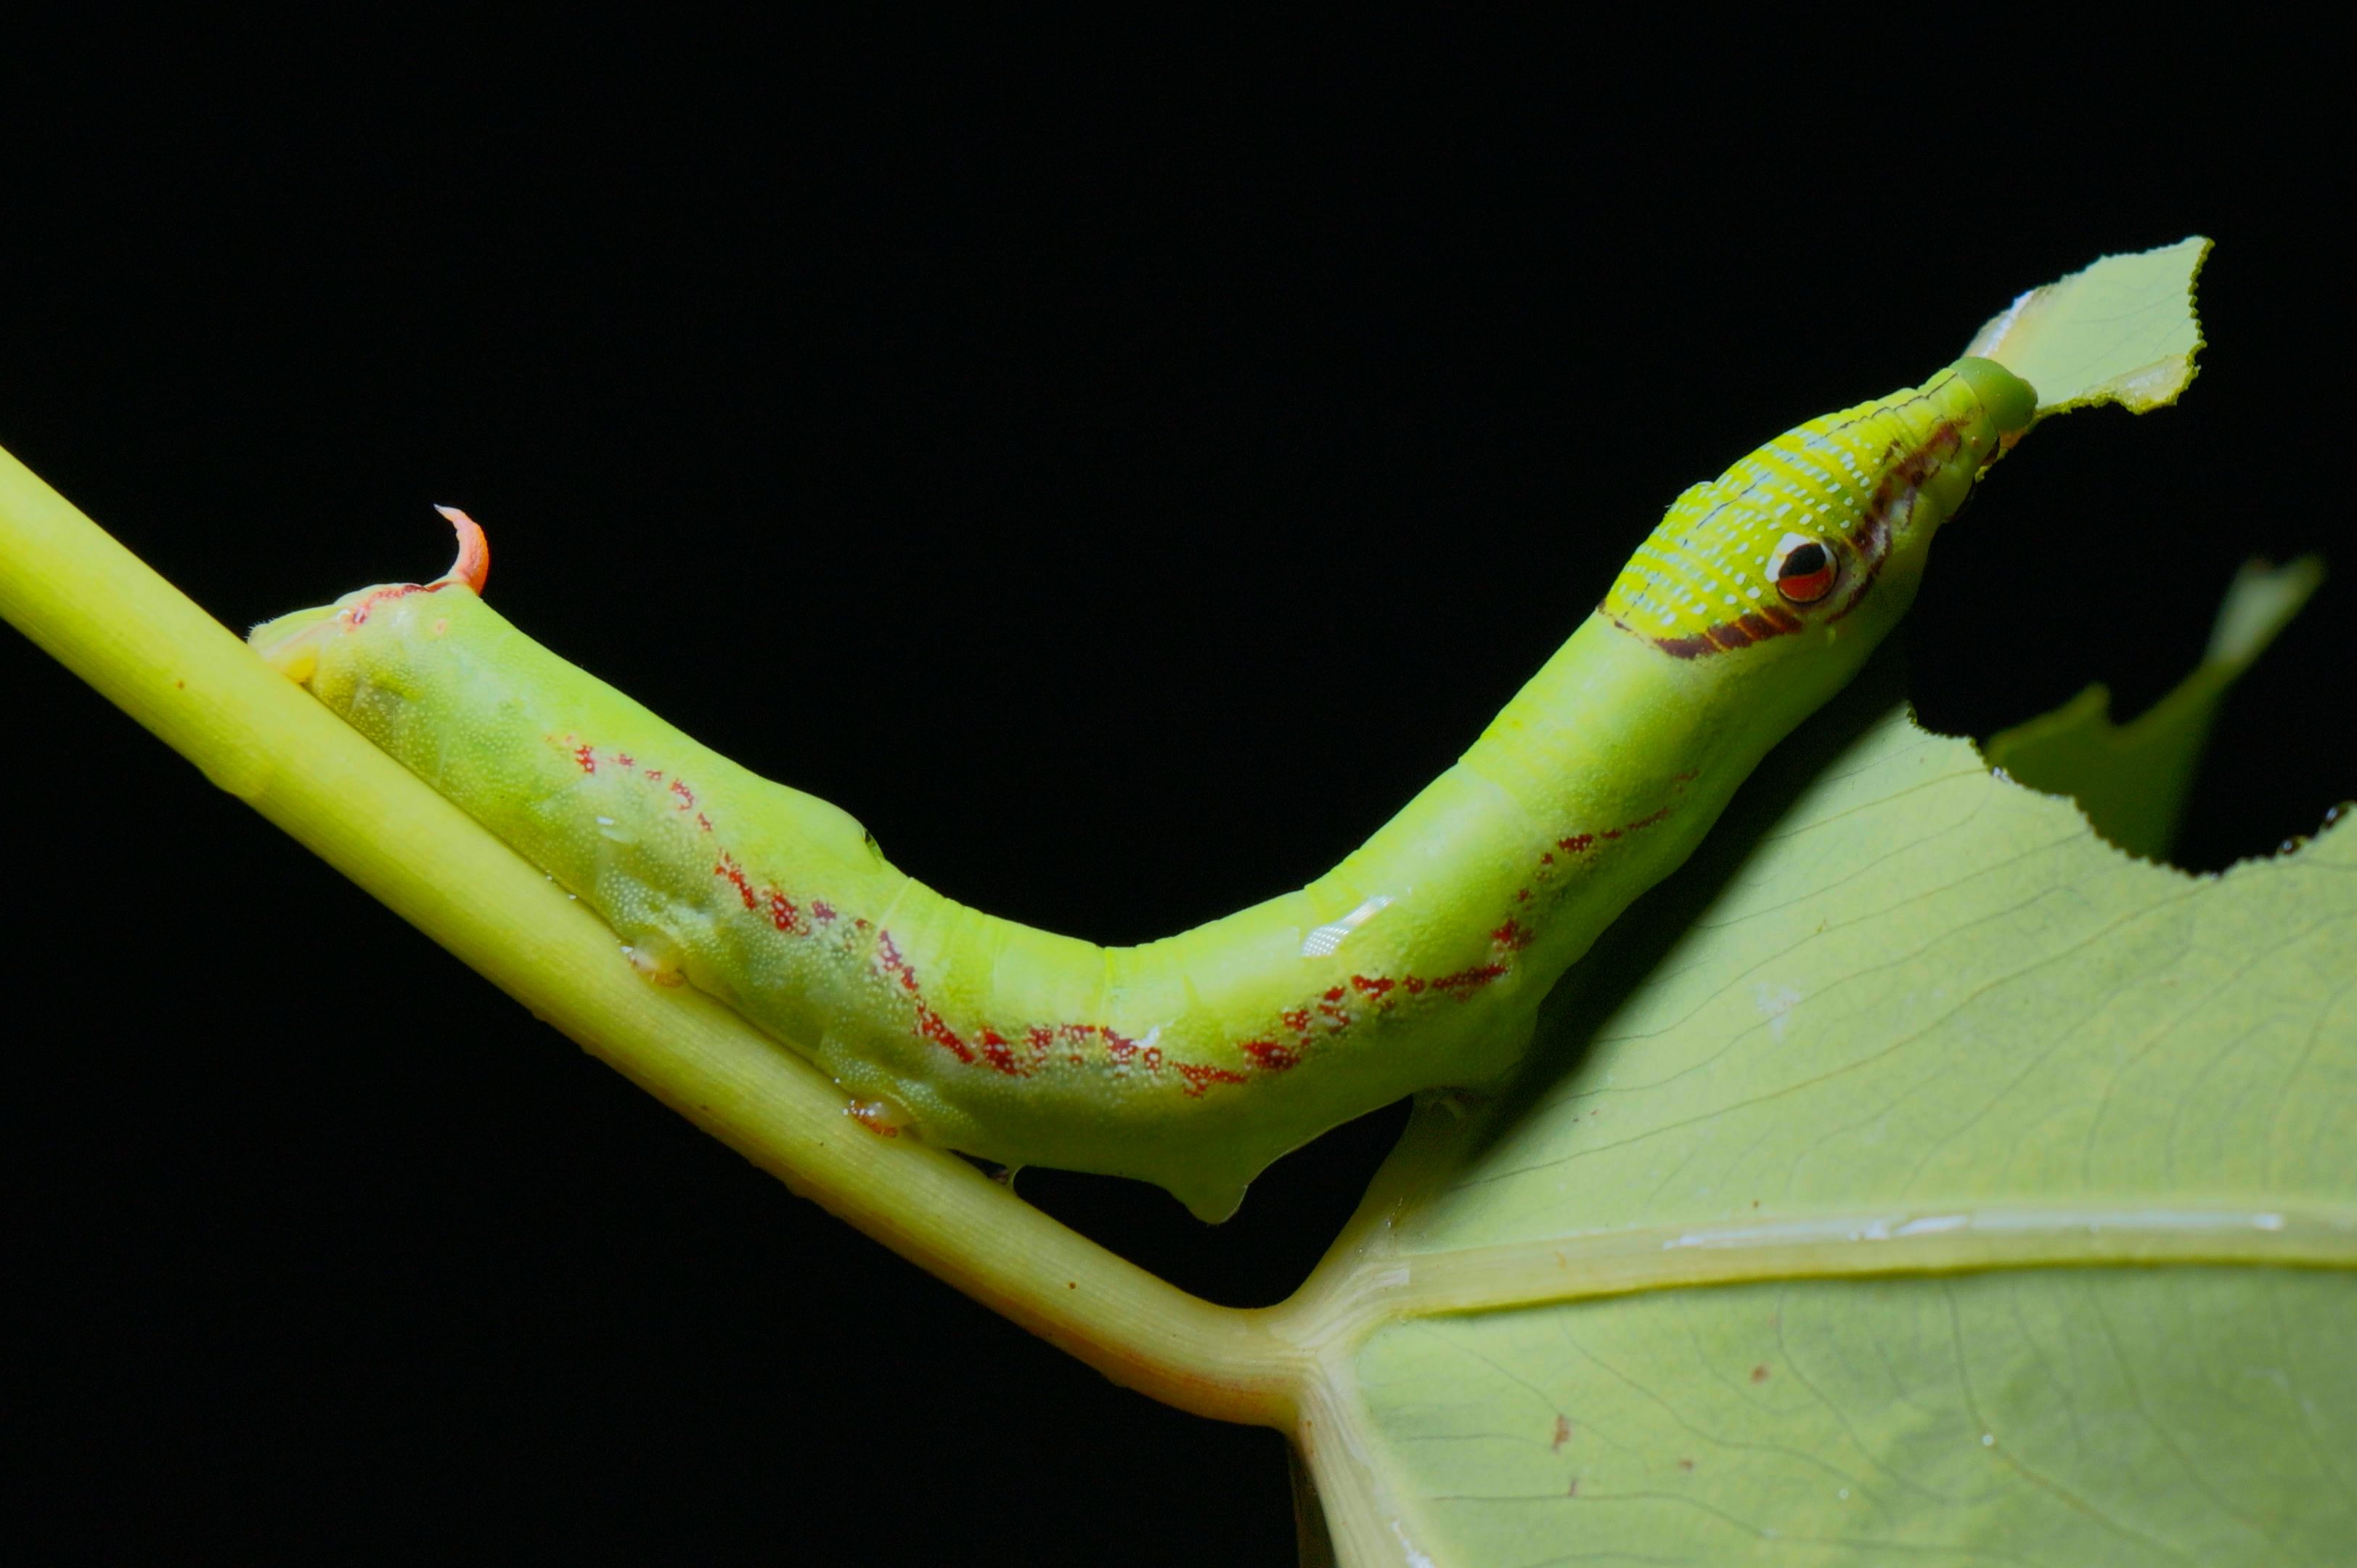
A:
x: 290, y: 643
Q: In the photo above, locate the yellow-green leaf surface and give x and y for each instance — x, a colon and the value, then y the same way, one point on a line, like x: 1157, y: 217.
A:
x: 2119, y: 331
x: 2132, y: 779
x: 1953, y: 1187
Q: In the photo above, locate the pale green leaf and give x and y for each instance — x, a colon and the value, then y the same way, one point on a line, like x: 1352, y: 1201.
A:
x: 1951, y: 1185
x: 2048, y: 1416
x: 2121, y: 331
x: 2132, y: 779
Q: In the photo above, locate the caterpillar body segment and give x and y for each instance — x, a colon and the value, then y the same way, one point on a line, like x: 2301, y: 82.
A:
x: 1416, y: 963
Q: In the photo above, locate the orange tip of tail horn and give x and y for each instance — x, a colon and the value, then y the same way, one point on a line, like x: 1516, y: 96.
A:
x: 473, y: 567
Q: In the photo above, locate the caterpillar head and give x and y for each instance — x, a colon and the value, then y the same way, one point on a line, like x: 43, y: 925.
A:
x: 1811, y: 548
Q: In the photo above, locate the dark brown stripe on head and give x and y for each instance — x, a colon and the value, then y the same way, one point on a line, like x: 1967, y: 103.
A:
x: 1752, y: 626
x: 1894, y: 494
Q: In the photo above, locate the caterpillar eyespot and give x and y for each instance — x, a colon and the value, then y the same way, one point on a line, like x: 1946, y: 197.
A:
x: 1417, y: 964
x: 1802, y: 568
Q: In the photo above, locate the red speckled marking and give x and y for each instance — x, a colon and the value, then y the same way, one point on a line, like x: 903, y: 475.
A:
x: 1638, y: 826
x: 357, y: 614
x: 890, y: 960
x: 1469, y: 980
x: 735, y: 875
x: 1270, y: 1056
x: 1318, y: 1021
x: 999, y: 1052
x: 931, y: 1027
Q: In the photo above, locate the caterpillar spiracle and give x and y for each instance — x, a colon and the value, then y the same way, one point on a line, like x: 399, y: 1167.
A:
x: 1193, y: 1062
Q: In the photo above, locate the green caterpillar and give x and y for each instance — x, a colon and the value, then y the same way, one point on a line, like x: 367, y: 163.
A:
x: 1192, y: 1062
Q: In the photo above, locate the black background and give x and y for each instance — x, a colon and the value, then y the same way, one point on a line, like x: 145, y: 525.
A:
x: 1119, y: 470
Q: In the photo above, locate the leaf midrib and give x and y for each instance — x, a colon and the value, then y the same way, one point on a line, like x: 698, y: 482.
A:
x: 1380, y: 1286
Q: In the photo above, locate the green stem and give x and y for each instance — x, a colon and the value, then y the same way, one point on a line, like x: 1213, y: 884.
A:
x: 147, y: 649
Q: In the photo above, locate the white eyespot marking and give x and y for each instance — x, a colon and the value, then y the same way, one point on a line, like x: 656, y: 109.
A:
x: 1327, y: 938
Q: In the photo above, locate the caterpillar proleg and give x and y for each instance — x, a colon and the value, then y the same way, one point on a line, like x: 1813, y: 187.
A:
x: 1193, y: 1062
